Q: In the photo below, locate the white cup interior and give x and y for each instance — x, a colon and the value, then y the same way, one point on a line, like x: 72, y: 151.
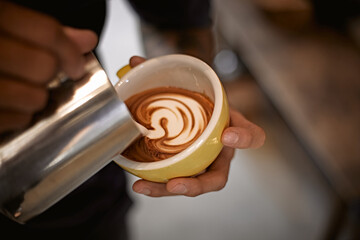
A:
x: 180, y: 71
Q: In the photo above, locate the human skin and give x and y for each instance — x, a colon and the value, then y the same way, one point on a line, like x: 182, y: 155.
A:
x: 34, y: 47
x: 241, y: 134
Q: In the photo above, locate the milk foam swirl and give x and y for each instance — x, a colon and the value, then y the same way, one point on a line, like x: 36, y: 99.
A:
x: 174, y: 117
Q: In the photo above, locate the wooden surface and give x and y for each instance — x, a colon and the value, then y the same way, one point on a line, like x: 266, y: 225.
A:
x: 312, y: 76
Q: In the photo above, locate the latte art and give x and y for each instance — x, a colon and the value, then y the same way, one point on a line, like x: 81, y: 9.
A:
x: 174, y: 117
x: 179, y: 112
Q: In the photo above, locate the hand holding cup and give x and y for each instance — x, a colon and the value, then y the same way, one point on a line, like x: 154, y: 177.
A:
x: 240, y: 134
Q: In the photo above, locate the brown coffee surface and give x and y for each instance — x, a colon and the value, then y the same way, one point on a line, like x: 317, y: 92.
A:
x: 175, y: 118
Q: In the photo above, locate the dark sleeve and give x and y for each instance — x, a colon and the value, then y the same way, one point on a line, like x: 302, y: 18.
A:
x: 177, y: 14
x: 84, y: 14
x: 336, y: 13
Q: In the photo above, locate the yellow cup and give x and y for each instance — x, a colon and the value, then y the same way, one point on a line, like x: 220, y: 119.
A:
x: 186, y: 72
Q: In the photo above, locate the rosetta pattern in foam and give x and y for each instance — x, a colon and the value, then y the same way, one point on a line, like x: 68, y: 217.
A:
x: 174, y: 117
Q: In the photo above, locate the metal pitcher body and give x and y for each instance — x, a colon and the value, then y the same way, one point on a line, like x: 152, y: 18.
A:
x: 84, y: 125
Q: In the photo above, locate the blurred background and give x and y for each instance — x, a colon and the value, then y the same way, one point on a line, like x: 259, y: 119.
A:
x: 292, y: 67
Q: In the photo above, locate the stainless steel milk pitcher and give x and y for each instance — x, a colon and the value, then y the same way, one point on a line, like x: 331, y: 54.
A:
x: 83, y: 126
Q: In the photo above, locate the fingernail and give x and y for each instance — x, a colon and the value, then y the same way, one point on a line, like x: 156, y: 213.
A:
x: 230, y: 138
x: 144, y: 191
x: 179, y: 189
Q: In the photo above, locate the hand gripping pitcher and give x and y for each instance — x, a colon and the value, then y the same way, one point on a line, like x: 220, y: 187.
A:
x: 83, y: 126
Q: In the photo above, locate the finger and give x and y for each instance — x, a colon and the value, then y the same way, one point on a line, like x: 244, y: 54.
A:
x: 214, y: 179
x: 13, y: 121
x: 42, y: 31
x: 26, y: 62
x: 151, y: 189
x: 242, y: 133
x: 86, y: 40
x: 136, y: 60
x: 21, y: 97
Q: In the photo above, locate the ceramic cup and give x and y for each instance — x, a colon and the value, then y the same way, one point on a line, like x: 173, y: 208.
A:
x: 186, y: 72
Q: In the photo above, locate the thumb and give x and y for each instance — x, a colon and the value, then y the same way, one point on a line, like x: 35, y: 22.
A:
x: 85, y: 39
x: 136, y: 60
x: 243, y: 137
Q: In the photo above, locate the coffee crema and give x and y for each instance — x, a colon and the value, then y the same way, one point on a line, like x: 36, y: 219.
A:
x: 175, y: 118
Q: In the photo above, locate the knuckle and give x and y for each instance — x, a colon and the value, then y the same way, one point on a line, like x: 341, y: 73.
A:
x: 246, y: 139
x: 53, y: 31
x: 20, y: 96
x: 193, y: 194
x: 32, y: 99
x: 45, y: 66
x: 221, y: 183
x: 196, y: 191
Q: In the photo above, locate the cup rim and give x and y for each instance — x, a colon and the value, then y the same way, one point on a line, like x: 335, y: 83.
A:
x: 218, y: 104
